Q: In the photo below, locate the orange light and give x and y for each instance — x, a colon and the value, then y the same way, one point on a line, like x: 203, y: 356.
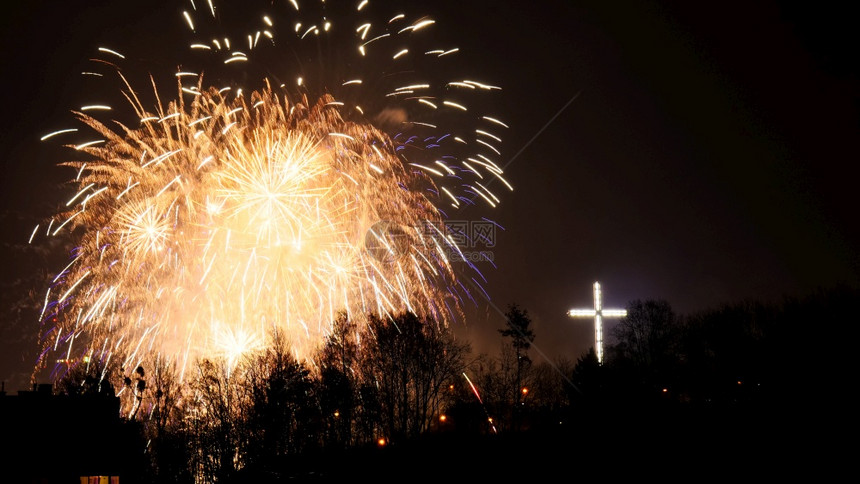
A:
x: 525, y: 390
x: 665, y: 390
x: 381, y: 442
x: 443, y: 417
x: 336, y: 414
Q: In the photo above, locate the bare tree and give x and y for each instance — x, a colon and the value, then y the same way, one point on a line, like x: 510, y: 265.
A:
x: 338, y: 381
x: 495, y: 380
x: 87, y: 378
x: 162, y: 427
x: 645, y: 335
x: 210, y: 422
x: 547, y: 392
x: 281, y: 414
x: 411, y: 361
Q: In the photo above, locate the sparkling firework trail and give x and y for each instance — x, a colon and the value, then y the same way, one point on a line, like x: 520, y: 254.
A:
x: 202, y: 224
x: 481, y: 401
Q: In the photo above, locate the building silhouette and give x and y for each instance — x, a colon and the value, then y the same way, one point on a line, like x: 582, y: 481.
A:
x: 61, y: 438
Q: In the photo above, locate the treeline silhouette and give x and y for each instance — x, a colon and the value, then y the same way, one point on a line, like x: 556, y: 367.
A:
x: 743, y: 384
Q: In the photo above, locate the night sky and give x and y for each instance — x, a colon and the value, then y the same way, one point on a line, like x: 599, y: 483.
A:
x: 695, y: 152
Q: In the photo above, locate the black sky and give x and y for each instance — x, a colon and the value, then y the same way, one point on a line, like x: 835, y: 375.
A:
x: 698, y: 152
x: 707, y: 158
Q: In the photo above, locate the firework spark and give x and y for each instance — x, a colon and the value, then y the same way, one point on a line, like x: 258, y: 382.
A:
x: 230, y: 211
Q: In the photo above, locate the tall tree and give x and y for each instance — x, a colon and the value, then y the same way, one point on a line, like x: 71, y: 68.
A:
x: 211, y: 421
x: 518, y: 328
x: 411, y: 361
x: 281, y: 417
x: 647, y: 348
x: 644, y: 335
x: 168, y: 453
x: 338, y: 382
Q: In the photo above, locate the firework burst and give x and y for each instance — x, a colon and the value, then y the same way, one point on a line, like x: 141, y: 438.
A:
x: 210, y: 220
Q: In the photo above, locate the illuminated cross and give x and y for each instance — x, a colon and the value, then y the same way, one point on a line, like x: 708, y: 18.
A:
x: 598, y: 313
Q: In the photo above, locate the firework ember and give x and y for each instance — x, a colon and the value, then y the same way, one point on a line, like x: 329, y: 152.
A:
x: 233, y: 210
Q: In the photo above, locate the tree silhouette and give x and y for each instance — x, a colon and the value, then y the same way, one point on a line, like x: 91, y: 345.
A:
x: 725, y: 373
x: 547, y: 398
x: 168, y: 452
x: 282, y: 413
x: 211, y: 421
x: 647, y: 345
x: 518, y: 329
x: 137, y: 382
x: 90, y: 378
x: 411, y: 361
x: 589, y: 383
x: 337, y: 361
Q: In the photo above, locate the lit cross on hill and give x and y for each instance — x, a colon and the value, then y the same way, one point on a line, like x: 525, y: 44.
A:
x: 598, y: 313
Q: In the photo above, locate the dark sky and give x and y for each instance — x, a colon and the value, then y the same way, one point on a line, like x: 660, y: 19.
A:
x: 706, y: 159
x: 697, y: 152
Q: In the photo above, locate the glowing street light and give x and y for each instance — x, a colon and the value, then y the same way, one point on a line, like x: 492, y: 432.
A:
x: 598, y: 313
